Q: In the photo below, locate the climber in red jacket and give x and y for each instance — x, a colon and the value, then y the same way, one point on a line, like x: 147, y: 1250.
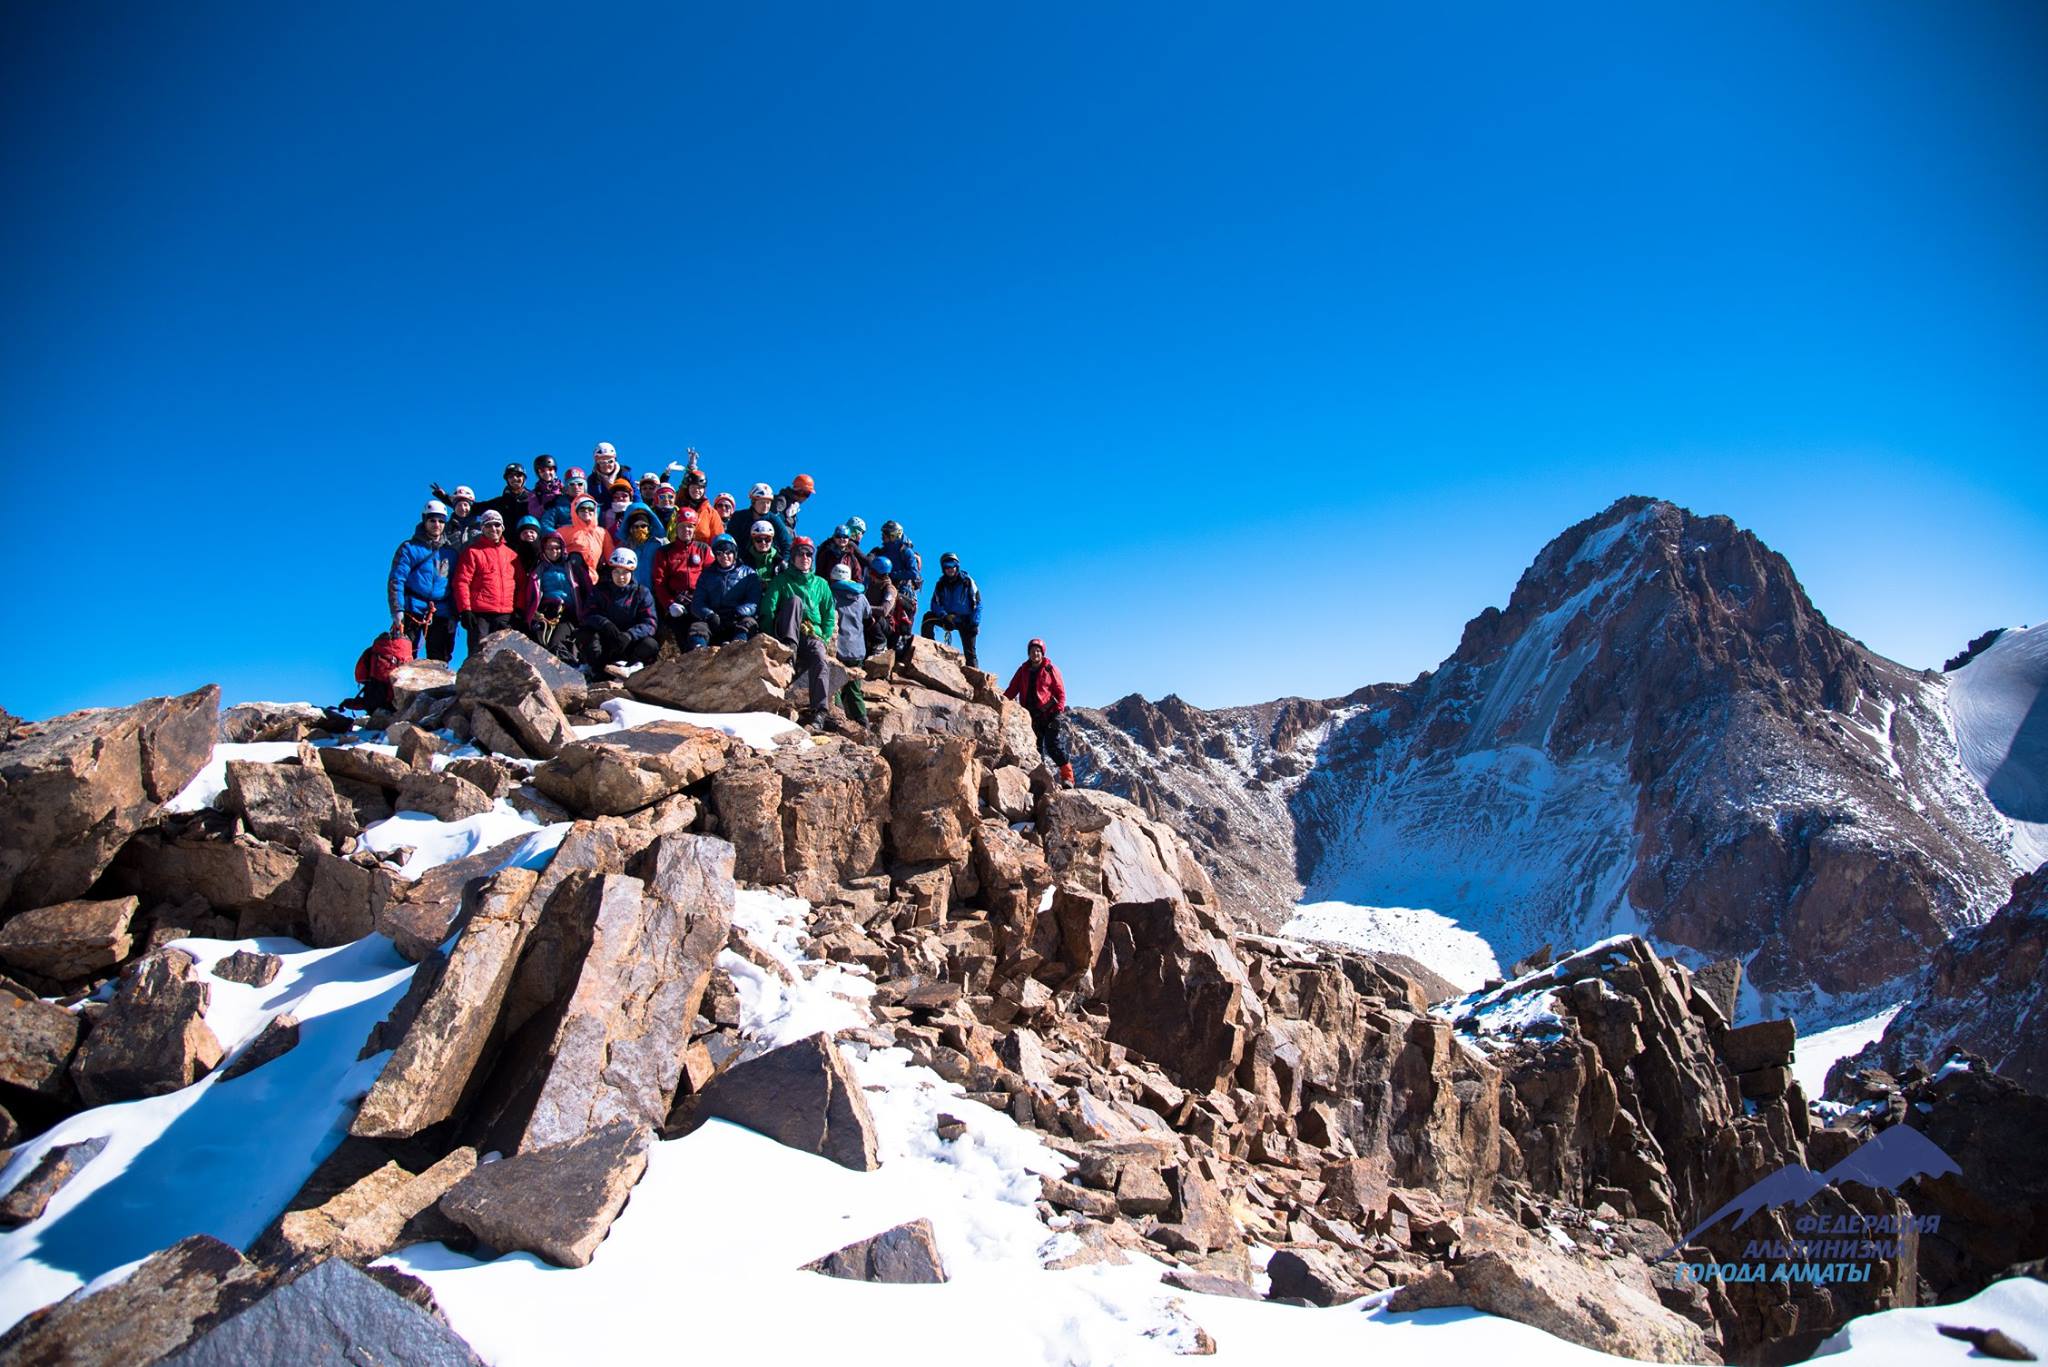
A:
x: 1038, y: 685
x: 486, y: 582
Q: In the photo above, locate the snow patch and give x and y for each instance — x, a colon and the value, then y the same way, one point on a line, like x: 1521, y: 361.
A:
x: 435, y: 842
x: 1430, y: 938
x: 762, y: 730
x: 1816, y: 1053
x: 218, y: 1157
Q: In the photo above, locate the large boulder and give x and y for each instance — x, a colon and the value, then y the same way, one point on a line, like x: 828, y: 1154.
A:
x: 802, y: 1095
x: 937, y: 667
x: 345, y: 898
x: 809, y: 817
x: 412, y: 683
x: 248, y: 722
x: 74, y: 788
x: 432, y: 1065
x: 332, y: 1314
x: 37, y: 1042
x: 1503, y: 1270
x: 291, y: 804
x: 623, y: 771
x: 906, y: 1255
x: 1098, y: 842
x: 1175, y: 993
x: 153, y: 1311
x: 443, y: 796
x: 153, y: 1037
x: 58, y: 1165
x: 70, y: 940
x: 935, y: 798
x: 557, y: 1202
x: 523, y: 686
x: 748, y: 676
x: 564, y: 683
x: 368, y: 1218
x: 612, y: 1048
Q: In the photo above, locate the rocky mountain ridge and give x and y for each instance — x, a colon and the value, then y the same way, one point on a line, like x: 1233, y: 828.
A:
x: 1658, y: 733
x: 1054, y: 956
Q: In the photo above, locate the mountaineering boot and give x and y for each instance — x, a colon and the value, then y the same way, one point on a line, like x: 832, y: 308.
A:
x: 1067, y: 775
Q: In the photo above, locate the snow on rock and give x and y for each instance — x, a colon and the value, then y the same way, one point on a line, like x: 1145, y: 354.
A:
x: 218, y: 1157
x: 1434, y: 940
x: 724, y: 1220
x: 1814, y: 1054
x: 1911, y: 1338
x: 762, y: 730
x: 2002, y: 731
x: 435, y: 842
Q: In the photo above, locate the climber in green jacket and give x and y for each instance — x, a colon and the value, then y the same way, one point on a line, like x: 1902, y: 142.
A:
x: 797, y: 608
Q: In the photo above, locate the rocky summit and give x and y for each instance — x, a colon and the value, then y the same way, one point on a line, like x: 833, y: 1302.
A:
x: 1659, y: 733
x: 910, y: 960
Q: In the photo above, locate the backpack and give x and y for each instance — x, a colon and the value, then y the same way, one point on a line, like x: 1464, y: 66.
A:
x: 382, y: 659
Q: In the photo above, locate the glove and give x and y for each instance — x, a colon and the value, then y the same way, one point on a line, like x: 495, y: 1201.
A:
x: 469, y: 622
x: 398, y: 622
x: 676, y: 609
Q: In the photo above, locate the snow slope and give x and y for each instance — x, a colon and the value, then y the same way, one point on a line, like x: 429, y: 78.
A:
x: 2001, y: 723
x: 1430, y: 938
x: 1814, y: 1054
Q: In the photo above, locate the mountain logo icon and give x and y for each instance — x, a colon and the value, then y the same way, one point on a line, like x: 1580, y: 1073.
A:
x: 1884, y: 1162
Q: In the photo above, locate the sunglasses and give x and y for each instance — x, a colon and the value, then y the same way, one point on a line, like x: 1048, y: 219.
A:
x: 435, y: 517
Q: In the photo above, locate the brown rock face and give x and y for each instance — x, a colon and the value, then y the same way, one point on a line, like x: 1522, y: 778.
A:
x: 1504, y: 1271
x: 1986, y: 991
x: 31, y: 1195
x: 70, y: 940
x: 801, y: 1095
x: 907, y: 1254
x: 443, y: 796
x: 74, y: 788
x: 368, y: 1219
x: 934, y: 798
x: 153, y: 1038
x: 1174, y: 992
x: 751, y: 676
x: 935, y: 666
x: 624, y: 771
x: 292, y: 804
x: 37, y: 1041
x: 560, y: 681
x: 430, y: 1070
x: 613, y: 1047
x: 147, y: 1315
x: 811, y: 817
x: 278, y: 1037
x: 557, y: 1202
x: 269, y: 721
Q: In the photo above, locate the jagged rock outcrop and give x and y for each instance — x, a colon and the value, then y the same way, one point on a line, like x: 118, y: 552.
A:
x: 75, y: 787
x: 1985, y: 992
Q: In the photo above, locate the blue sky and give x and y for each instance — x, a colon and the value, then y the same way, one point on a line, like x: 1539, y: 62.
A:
x: 1240, y: 351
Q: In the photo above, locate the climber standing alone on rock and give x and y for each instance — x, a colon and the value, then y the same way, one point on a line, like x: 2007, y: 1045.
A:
x: 1038, y: 685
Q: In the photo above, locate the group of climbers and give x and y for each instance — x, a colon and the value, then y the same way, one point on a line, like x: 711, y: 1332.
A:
x: 598, y: 567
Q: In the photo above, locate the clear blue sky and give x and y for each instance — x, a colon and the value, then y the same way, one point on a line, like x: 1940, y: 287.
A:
x: 1241, y: 351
